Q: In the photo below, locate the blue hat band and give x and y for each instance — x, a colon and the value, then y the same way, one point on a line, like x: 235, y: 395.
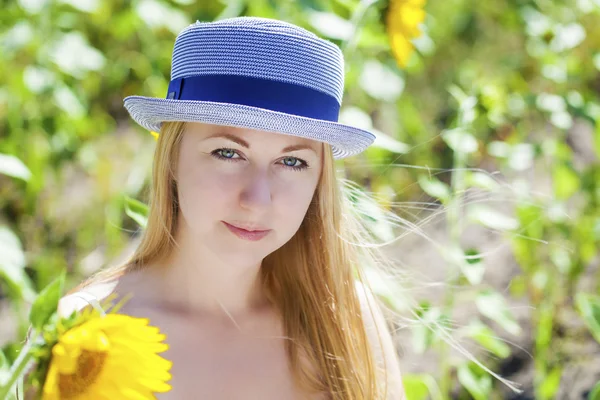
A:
x: 256, y: 92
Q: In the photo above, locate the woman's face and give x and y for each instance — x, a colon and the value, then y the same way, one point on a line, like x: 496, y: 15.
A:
x: 246, y: 178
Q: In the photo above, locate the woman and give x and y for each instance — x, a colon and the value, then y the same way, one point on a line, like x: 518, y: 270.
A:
x: 247, y: 262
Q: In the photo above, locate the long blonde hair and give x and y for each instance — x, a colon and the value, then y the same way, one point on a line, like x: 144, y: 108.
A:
x: 310, y: 280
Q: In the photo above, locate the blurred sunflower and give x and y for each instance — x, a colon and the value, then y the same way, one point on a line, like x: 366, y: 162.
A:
x: 402, y: 23
x: 112, y: 357
x: 155, y: 134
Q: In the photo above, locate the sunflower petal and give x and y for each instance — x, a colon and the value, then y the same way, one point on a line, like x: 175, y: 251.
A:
x: 109, y: 357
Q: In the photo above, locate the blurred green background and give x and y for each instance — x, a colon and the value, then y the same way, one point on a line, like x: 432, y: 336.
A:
x: 488, y: 151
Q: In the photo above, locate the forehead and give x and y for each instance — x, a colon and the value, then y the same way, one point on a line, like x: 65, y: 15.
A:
x: 247, y: 137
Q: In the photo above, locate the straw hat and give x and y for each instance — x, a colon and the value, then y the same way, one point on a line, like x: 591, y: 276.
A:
x: 255, y: 73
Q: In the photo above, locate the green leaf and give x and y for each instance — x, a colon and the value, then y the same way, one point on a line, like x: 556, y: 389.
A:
x: 389, y: 143
x: 539, y: 280
x: 567, y: 36
x: 561, y: 120
x: 493, y: 305
x: 422, y: 334
x: 532, y: 219
x: 158, y: 14
x: 466, y: 105
x: 565, y: 180
x: 12, y: 166
x: 597, y: 138
x: 331, y: 25
x: 435, y: 188
x: 545, y: 326
x: 458, y: 93
x: 415, y: 388
x: 467, y: 112
x: 492, y: 219
x: 460, y: 141
x: 485, y: 336
x: 85, y: 6
x: 10, y: 248
x: 356, y: 117
x: 420, y: 387
x: 518, y: 286
x: 585, y: 235
x: 562, y: 259
x: 499, y: 149
x: 473, y: 267
x: 482, y: 180
x: 550, y: 384
x: 588, y: 306
x: 469, y: 262
x: 551, y: 103
x: 381, y: 82
x: 521, y: 156
x: 66, y: 99
x: 73, y: 55
x: 38, y: 79
x: 595, y: 393
x: 234, y: 8
x: 12, y: 264
x: 46, y: 304
x: 34, y: 7
x: 4, y: 369
x: 4, y: 377
x: 137, y: 210
x: 479, y: 386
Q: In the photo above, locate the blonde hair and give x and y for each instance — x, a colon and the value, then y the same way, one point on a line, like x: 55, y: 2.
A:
x: 310, y: 279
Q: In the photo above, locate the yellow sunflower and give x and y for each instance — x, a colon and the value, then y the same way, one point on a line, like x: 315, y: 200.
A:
x: 112, y: 357
x: 155, y: 134
x: 402, y: 21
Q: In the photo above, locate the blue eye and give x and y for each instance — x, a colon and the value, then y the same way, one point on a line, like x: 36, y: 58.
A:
x: 225, y: 153
x: 290, y: 162
x: 293, y: 163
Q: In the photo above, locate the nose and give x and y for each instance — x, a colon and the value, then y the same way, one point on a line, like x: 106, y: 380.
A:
x: 256, y: 194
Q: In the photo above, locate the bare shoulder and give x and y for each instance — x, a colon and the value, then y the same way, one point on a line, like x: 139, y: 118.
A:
x: 130, y: 287
x: 381, y: 341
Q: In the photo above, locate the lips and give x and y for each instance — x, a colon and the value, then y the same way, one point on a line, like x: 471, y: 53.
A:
x: 252, y: 235
x: 249, y: 228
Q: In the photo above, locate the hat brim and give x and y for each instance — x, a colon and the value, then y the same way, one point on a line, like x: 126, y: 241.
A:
x: 150, y: 112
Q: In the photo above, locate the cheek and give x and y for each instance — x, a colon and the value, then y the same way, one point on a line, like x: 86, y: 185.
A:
x: 204, y: 196
x: 292, y: 205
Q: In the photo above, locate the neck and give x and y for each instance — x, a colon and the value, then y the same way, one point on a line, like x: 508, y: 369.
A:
x: 198, y: 282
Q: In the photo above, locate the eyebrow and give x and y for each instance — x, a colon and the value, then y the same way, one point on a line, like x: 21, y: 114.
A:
x: 245, y: 144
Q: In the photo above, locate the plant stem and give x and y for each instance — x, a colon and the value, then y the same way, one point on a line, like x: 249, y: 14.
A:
x: 17, y: 369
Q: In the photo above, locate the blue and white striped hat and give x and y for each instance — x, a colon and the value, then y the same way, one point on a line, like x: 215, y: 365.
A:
x: 255, y: 73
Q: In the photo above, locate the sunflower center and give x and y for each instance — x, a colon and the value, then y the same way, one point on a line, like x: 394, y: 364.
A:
x: 89, y: 366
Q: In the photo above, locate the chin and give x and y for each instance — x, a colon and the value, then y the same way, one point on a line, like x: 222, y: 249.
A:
x: 241, y: 259
x: 246, y: 254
